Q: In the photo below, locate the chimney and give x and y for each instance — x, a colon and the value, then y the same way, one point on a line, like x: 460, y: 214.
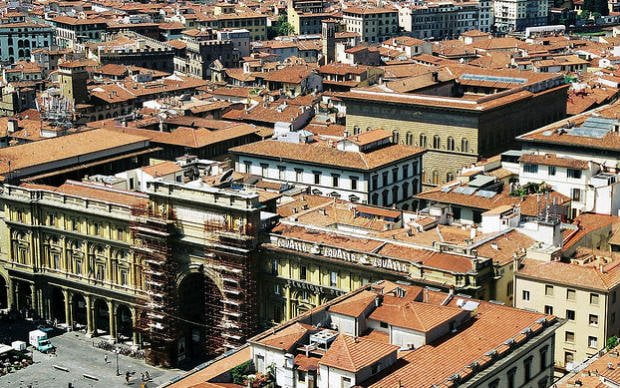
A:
x: 12, y: 125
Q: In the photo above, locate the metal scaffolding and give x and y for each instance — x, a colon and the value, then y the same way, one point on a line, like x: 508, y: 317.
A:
x: 232, y: 310
x: 152, y: 243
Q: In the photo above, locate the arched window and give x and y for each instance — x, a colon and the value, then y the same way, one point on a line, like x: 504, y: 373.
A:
x: 385, y: 194
x: 394, y: 194
x: 450, y: 143
x: 414, y: 186
x: 464, y: 145
x: 436, y: 141
x: 20, y: 53
x: 422, y: 140
x: 449, y: 177
x: 435, y: 177
x: 409, y: 138
x: 395, y: 137
x: 405, y: 190
x: 375, y: 199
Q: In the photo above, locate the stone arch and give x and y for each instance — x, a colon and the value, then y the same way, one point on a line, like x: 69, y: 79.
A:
x: 79, y: 309
x: 4, y: 292
x: 101, y: 315
x: 124, y: 322
x: 57, y: 304
x: 200, y: 301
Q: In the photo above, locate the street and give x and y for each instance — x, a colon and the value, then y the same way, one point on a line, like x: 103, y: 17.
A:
x: 76, y: 353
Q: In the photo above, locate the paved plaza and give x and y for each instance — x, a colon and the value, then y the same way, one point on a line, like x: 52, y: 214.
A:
x: 76, y: 353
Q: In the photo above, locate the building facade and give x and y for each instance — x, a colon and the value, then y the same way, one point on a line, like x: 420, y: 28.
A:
x: 458, y: 132
x: 354, y: 176
x: 18, y: 40
x: 517, y: 15
x: 374, y: 25
x: 590, y: 307
x: 170, y: 266
x: 446, y: 20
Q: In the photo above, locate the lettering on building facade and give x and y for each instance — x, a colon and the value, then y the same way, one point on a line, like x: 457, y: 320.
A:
x: 341, y: 254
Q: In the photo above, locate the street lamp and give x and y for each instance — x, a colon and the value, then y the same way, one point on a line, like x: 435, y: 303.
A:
x: 117, y: 351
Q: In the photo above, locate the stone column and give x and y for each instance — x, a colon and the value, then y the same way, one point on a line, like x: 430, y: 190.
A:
x: 135, y: 336
x: 112, y: 321
x: 68, y: 310
x: 9, y: 293
x: 90, y: 321
x: 34, y: 300
x: 288, y: 303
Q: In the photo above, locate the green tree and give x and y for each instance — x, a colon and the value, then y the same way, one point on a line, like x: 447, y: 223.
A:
x: 284, y: 27
x: 612, y: 342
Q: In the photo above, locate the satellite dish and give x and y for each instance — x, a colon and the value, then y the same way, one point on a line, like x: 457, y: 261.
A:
x: 226, y: 176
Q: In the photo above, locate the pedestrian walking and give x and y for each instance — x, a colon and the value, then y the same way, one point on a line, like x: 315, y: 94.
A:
x: 105, y: 358
x: 147, y: 376
x: 127, y: 377
x: 142, y: 376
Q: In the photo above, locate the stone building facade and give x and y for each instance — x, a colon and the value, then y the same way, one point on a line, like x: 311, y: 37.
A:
x: 172, y: 266
x: 456, y: 132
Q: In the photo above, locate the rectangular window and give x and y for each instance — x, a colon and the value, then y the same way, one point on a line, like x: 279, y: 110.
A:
x: 335, y: 180
x: 570, y: 315
x: 282, y: 172
x: 526, y: 295
x: 570, y: 294
x: 299, y: 175
x: 263, y: 169
x: 574, y: 174
x: 576, y: 194
x: 593, y: 320
x: 569, y: 336
x: 353, y: 183
x: 301, y: 375
x: 548, y: 290
x: 100, y: 272
x: 124, y: 274
x: 333, y: 279
x: 248, y: 167
x: 592, y: 342
x: 569, y: 357
x: 527, y: 368
x: 375, y: 182
x: 395, y: 175
x: 302, y: 272
x: 593, y: 298
x: 549, y: 310
x: 551, y: 170
x: 530, y: 168
x: 78, y: 266
x: 345, y: 382
x: 414, y: 169
x: 543, y: 357
x: 383, y: 325
x: 405, y: 171
x: 510, y: 376
x: 317, y: 177
x: 385, y: 177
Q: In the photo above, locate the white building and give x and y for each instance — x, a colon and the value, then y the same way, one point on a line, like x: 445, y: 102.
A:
x: 517, y: 15
x: 364, y: 168
x: 481, y: 344
x: 577, y: 160
x: 441, y: 20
